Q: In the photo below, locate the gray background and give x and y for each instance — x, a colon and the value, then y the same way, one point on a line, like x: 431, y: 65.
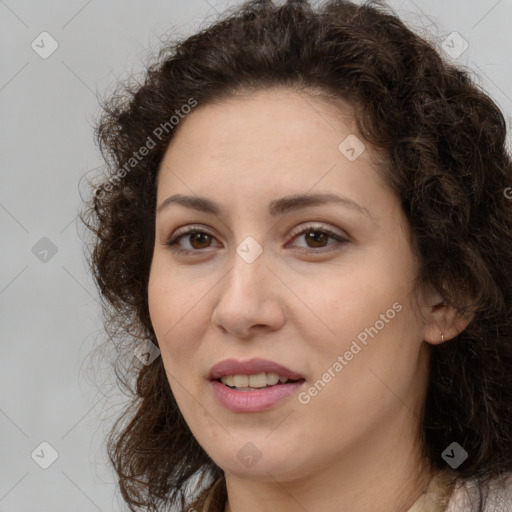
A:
x: 50, y: 316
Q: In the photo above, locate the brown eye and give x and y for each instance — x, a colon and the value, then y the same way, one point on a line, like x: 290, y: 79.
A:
x: 197, y: 240
x: 317, y: 238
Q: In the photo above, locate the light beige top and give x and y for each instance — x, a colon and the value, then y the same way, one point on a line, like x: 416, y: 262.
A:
x: 440, y: 496
x: 437, y: 495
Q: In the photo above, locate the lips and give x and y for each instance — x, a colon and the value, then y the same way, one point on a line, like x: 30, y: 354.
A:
x: 251, y: 367
x: 253, y: 399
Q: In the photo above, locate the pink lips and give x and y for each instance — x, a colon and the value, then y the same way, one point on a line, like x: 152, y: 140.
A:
x: 251, y: 367
x: 252, y: 401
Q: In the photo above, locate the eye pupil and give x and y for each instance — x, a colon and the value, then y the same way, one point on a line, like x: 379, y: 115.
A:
x: 315, y: 235
x: 204, y: 236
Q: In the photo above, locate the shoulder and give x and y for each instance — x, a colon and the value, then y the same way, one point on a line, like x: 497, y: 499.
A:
x: 497, y: 496
x: 211, y: 499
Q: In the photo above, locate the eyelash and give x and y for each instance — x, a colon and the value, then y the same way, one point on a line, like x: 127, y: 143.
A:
x: 315, y: 229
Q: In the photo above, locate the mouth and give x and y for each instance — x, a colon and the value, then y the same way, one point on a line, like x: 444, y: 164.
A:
x: 252, y: 373
x: 255, y: 382
x: 254, y: 385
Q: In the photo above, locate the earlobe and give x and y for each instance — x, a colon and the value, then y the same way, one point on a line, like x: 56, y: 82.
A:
x: 445, y: 323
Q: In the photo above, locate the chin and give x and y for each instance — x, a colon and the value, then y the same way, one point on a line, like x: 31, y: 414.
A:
x: 251, y: 462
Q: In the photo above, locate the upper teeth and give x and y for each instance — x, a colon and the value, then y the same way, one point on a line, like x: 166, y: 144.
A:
x: 260, y: 380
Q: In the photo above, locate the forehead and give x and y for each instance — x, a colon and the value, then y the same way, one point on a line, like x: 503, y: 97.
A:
x: 277, y: 134
x: 274, y: 114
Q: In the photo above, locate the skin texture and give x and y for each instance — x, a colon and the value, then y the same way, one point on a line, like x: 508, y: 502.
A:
x: 354, y: 446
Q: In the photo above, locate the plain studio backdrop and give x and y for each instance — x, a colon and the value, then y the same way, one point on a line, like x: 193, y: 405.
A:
x: 55, y: 406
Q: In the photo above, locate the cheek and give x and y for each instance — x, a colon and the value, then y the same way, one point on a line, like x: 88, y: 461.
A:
x: 179, y: 314
x: 367, y: 317
x: 177, y: 329
x: 344, y: 302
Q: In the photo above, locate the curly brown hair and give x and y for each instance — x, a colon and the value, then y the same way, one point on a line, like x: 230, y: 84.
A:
x: 443, y: 142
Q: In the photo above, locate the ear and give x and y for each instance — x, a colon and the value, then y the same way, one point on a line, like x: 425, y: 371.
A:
x: 442, y: 318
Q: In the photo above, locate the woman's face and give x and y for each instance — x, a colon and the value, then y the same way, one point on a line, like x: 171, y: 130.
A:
x: 321, y: 287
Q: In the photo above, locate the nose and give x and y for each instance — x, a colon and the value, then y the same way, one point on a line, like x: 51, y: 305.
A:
x: 249, y: 300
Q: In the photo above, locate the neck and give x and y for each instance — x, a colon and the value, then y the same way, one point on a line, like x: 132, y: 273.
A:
x: 383, y: 475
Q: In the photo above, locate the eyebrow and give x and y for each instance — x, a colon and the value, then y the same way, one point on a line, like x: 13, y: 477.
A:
x: 276, y: 207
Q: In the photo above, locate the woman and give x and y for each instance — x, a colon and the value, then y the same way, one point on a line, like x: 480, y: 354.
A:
x: 308, y: 215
